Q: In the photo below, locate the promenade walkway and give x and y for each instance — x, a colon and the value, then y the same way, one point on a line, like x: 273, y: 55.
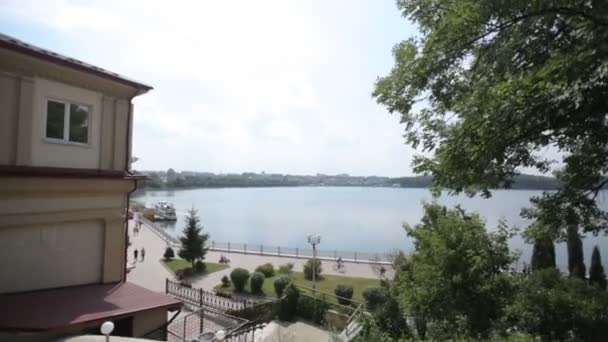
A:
x: 151, y: 273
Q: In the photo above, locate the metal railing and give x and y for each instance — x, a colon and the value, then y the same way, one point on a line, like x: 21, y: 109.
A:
x: 295, y: 252
x: 204, y: 299
x: 193, y: 325
x: 243, y: 333
x: 281, y: 251
x: 171, y: 240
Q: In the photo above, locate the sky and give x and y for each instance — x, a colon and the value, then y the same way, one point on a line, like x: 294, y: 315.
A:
x: 276, y: 86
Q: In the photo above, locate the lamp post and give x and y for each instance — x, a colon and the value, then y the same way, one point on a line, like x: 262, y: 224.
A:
x: 314, y: 240
x: 106, y: 329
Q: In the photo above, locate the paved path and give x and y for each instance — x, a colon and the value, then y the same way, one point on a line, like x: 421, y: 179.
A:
x: 151, y: 274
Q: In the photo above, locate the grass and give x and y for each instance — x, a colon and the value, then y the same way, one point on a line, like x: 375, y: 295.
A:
x: 176, y: 265
x: 327, y: 284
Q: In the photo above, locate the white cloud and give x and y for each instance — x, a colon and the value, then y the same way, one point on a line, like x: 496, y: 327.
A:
x: 242, y: 85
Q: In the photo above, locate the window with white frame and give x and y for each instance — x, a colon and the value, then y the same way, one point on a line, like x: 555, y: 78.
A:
x: 68, y: 122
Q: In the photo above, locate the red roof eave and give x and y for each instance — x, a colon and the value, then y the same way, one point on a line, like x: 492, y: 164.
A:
x: 64, y: 307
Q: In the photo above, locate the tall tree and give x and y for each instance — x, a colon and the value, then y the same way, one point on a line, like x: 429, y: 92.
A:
x: 543, y: 254
x: 458, y: 278
x: 597, y: 276
x: 488, y: 84
x: 576, y: 260
x: 193, y: 241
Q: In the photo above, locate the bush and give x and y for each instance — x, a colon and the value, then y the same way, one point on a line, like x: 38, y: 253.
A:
x: 288, y: 306
x: 239, y: 277
x: 286, y: 269
x: 344, y: 293
x: 280, y: 284
x: 169, y: 253
x: 374, y: 296
x: 554, y: 307
x: 225, y: 281
x: 311, y: 309
x: 389, y: 318
x: 308, y: 269
x: 256, y: 282
x: 267, y: 270
x: 200, y: 266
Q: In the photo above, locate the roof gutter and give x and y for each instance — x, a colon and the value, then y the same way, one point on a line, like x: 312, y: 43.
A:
x: 127, y: 170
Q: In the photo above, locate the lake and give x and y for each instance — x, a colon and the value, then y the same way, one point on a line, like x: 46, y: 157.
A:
x: 348, y: 218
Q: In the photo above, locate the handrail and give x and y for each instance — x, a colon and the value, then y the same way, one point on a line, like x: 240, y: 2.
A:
x: 289, y: 252
x: 328, y: 294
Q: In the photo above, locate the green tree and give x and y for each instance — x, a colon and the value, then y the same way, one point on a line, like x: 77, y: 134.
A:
x: 543, y: 254
x: 576, y: 260
x: 487, y: 84
x: 458, y: 277
x: 193, y: 241
x: 558, y: 308
x: 597, y: 276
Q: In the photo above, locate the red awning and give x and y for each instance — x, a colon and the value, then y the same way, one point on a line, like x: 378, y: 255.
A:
x: 63, y: 307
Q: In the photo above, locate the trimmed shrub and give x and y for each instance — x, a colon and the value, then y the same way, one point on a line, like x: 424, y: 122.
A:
x: 286, y: 268
x: 256, y: 282
x: 344, y: 293
x: 288, y: 306
x: 200, y: 266
x: 308, y: 268
x: 374, y: 296
x: 169, y: 253
x: 311, y: 309
x: 239, y: 277
x: 280, y: 284
x: 225, y: 281
x: 267, y: 270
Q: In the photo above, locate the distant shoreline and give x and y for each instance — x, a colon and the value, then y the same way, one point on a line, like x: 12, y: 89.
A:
x: 322, y: 186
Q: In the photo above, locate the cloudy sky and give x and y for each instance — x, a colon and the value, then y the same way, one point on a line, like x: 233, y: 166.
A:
x: 280, y: 86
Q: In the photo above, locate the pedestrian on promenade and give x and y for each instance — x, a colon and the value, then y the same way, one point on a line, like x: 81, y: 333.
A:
x: 143, y: 253
x: 135, y: 254
x: 138, y: 226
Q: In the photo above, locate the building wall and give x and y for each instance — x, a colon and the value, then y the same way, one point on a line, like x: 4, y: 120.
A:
x: 9, y: 100
x: 51, y: 255
x: 145, y: 322
x: 23, y: 125
x: 45, y: 152
x: 59, y: 232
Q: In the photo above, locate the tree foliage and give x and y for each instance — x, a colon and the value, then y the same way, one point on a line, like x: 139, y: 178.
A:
x: 193, y: 241
x: 576, y: 260
x: 489, y: 84
x: 597, y: 276
x: 458, y: 275
x: 558, y: 308
x: 543, y: 254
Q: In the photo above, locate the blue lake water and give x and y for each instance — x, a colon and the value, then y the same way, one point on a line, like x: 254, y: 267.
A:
x: 347, y: 218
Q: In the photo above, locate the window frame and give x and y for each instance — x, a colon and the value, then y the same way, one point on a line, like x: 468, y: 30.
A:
x: 66, y: 122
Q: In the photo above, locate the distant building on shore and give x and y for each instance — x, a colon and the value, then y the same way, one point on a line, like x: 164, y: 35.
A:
x: 65, y: 150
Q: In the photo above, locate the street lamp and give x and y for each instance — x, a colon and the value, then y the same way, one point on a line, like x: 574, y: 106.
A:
x: 314, y: 240
x: 106, y: 329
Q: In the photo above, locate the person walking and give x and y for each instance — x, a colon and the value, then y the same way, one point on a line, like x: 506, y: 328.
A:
x: 138, y: 226
x: 135, y: 255
x: 143, y: 253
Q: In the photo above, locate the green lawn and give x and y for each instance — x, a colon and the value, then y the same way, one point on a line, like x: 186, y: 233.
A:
x: 327, y: 283
x: 176, y: 265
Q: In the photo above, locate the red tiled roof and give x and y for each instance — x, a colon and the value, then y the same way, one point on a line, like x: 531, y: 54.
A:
x: 57, y: 308
x: 23, y: 47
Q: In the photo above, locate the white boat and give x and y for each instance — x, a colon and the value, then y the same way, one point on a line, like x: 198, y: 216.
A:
x: 164, y: 210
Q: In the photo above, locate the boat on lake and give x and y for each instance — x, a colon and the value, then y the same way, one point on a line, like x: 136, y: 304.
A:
x: 164, y: 211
